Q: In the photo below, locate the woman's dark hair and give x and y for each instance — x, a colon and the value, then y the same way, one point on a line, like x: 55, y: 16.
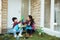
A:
x: 31, y: 19
x: 14, y: 18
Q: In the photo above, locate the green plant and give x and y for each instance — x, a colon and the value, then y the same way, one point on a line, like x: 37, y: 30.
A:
x: 40, y: 31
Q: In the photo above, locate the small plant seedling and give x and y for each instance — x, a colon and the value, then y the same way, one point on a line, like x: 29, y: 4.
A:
x: 40, y: 31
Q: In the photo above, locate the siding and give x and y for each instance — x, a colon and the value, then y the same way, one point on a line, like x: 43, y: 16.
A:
x: 35, y: 11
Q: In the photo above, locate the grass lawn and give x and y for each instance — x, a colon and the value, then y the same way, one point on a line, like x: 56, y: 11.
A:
x: 35, y: 37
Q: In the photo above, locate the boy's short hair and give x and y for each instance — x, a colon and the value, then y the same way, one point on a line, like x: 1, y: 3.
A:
x: 14, y: 18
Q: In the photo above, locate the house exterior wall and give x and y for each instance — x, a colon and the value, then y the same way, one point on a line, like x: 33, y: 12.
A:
x: 4, y: 15
x: 35, y: 11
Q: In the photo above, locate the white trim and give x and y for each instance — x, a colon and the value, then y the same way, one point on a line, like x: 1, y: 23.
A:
x: 52, y: 15
x: 46, y: 30
x: 42, y: 13
x: 52, y: 33
x: 29, y: 7
x: 0, y: 15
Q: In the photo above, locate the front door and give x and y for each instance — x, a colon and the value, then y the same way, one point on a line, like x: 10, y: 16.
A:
x: 14, y: 10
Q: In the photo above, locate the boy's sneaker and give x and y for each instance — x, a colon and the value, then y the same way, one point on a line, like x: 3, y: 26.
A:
x: 20, y: 35
x: 15, y: 36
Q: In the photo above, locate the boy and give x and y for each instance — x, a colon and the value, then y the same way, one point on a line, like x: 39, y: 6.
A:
x: 16, y: 27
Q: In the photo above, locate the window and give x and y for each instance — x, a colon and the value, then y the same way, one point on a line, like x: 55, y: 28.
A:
x: 57, y: 15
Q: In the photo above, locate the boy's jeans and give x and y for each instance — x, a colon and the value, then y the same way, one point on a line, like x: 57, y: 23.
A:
x: 20, y: 31
x: 15, y: 31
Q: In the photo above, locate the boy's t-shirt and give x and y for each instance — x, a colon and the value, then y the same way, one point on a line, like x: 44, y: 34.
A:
x: 15, y: 23
x: 16, y: 27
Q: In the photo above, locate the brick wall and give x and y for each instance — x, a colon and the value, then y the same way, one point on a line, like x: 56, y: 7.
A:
x: 4, y: 14
x: 35, y: 11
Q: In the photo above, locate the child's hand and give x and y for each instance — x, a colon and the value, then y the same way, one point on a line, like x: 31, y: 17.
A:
x: 22, y: 18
